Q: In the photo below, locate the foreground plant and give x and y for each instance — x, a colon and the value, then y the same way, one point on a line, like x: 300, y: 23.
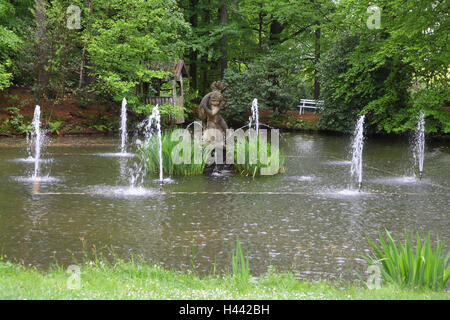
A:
x: 241, y: 267
x: 404, y: 266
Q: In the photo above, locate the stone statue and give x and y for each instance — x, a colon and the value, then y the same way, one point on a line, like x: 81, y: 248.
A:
x: 209, y: 108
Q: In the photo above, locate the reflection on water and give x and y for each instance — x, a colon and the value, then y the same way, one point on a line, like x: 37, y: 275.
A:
x: 305, y: 221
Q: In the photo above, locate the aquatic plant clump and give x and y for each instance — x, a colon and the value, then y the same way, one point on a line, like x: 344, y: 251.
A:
x: 150, y: 152
x: 424, y: 268
x: 250, y: 155
x: 264, y: 157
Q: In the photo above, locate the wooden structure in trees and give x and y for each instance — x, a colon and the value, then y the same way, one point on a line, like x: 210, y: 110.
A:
x: 178, y: 71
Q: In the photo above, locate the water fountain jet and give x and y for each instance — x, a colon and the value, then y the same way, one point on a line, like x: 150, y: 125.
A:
x: 357, y: 148
x: 419, y: 143
x: 155, y: 117
x: 36, y: 140
x: 123, y: 127
x: 254, y: 116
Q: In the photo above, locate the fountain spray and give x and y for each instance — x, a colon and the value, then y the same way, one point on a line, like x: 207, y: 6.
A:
x: 357, y: 148
x: 419, y: 143
x: 123, y: 126
x: 155, y: 116
x: 254, y: 116
x: 37, y: 139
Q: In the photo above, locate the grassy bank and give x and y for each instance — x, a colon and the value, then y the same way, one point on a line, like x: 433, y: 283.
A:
x: 126, y: 280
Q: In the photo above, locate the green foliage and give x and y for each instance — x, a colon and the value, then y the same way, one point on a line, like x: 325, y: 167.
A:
x: 150, y: 152
x: 10, y: 42
x: 126, y: 37
x: 252, y: 146
x: 273, y: 51
x: 275, y: 80
x: 431, y: 100
x: 16, y: 123
x: 168, y: 112
x: 241, y: 267
x: 55, y: 126
x: 352, y: 84
x: 424, y: 268
x: 341, y: 106
x: 101, y: 123
x: 63, y: 48
x: 382, y: 72
x: 137, y: 279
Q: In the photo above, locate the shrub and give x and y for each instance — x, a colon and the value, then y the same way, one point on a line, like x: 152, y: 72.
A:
x: 275, y: 80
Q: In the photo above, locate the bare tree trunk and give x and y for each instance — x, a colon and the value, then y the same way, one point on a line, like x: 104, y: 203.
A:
x: 224, y: 40
x: 205, y: 86
x: 260, y: 27
x: 274, y: 38
x: 42, y: 79
x: 83, y: 54
x: 316, y: 62
x: 193, y: 53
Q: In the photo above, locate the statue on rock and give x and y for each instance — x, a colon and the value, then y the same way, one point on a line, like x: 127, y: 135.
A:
x: 209, y: 108
x: 214, y: 125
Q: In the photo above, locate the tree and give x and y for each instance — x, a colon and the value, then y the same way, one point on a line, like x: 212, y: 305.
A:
x: 256, y: 82
x: 351, y: 83
x: 127, y: 39
x: 14, y: 21
x: 41, y: 47
x: 410, y: 51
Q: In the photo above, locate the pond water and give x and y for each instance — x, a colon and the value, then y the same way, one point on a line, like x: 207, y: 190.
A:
x: 306, y: 221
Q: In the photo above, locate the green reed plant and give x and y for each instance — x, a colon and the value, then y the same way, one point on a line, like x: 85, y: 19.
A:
x: 405, y: 266
x: 241, y: 268
x: 150, y: 152
x: 253, y: 168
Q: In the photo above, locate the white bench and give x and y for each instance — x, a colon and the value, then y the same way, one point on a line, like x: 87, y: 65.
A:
x: 311, y: 104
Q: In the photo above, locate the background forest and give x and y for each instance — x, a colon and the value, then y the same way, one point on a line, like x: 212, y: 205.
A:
x: 276, y: 51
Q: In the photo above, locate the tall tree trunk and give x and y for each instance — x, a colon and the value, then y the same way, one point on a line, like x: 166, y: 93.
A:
x: 224, y: 39
x: 316, y: 62
x: 274, y: 38
x: 193, y: 19
x: 83, y: 54
x: 260, y: 27
x: 42, y: 79
x: 206, y: 21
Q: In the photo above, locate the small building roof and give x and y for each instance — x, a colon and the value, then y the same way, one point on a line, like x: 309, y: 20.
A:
x: 177, y: 67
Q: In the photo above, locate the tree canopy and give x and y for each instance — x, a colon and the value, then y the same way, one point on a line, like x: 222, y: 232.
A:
x: 276, y: 51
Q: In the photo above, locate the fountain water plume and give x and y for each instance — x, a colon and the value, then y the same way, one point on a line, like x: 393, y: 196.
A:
x: 419, y: 144
x: 123, y: 127
x: 37, y: 140
x: 357, y: 148
x: 254, y: 116
x: 154, y: 120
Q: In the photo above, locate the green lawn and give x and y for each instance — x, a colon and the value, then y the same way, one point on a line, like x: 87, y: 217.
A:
x: 142, y: 281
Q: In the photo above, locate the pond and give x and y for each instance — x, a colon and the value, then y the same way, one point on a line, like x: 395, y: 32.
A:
x: 306, y: 221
